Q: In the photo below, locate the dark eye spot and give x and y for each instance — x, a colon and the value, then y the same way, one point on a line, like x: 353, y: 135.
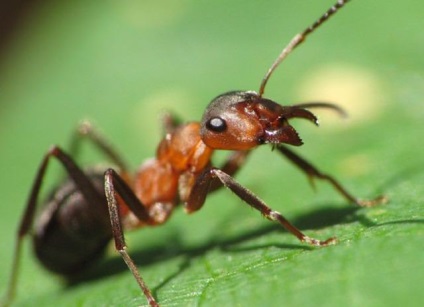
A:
x: 216, y: 124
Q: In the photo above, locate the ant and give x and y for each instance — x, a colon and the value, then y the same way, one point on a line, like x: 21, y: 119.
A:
x: 93, y: 207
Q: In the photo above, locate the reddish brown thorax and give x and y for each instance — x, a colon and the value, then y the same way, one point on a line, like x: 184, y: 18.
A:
x: 169, y: 177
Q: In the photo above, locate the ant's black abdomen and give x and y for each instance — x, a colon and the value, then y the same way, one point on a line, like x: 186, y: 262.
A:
x: 72, y: 233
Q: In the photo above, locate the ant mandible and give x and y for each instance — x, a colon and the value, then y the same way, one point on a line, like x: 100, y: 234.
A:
x: 101, y: 205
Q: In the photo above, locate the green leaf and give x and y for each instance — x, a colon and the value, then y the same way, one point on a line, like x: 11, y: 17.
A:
x: 120, y: 64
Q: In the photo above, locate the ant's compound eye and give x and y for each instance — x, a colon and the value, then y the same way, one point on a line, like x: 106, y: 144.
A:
x: 216, y: 124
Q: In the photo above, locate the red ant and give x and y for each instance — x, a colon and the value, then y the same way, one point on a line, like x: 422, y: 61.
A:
x: 93, y: 207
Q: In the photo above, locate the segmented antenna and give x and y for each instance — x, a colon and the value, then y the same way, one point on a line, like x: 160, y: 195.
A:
x: 298, y: 39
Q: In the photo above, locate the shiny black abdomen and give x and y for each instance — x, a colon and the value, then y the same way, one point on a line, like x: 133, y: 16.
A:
x: 72, y: 233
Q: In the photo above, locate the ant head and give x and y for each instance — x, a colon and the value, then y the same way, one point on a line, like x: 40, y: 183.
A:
x: 243, y: 120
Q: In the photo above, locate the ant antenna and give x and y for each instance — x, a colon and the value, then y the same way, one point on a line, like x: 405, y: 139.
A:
x: 298, y: 39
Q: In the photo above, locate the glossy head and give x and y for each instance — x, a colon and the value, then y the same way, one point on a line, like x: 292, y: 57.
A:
x: 243, y: 120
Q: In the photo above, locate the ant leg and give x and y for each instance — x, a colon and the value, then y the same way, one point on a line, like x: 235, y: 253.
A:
x: 84, y: 185
x: 312, y: 172
x: 93, y: 197
x: 200, y: 191
x: 116, y: 186
x: 234, y: 162
x: 169, y: 122
x: 85, y: 129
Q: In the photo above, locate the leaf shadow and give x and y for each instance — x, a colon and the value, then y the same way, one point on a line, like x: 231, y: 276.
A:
x: 317, y: 219
x: 322, y: 217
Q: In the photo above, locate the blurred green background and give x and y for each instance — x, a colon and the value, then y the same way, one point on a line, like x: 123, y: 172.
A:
x: 121, y: 63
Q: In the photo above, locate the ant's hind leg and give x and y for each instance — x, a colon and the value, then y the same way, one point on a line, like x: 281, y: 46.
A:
x: 84, y: 186
x: 312, y: 172
x: 85, y: 130
x: 200, y: 191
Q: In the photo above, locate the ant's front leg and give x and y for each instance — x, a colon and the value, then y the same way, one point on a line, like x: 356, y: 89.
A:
x: 233, y: 164
x: 169, y: 122
x: 312, y: 172
x: 201, y: 187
